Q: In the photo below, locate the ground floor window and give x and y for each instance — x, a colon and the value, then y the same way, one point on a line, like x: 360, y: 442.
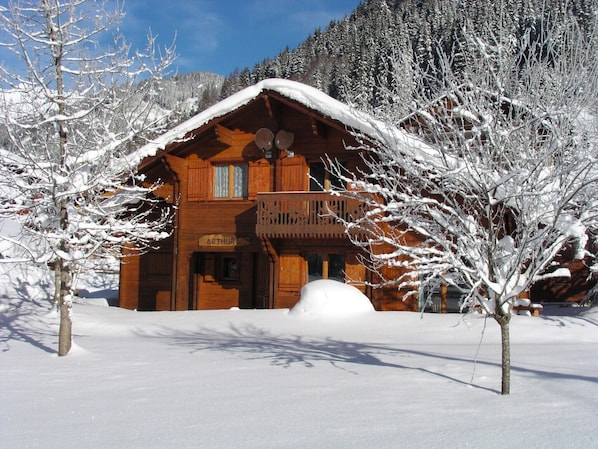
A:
x: 437, y: 295
x: 221, y: 267
x: 325, y: 266
x: 229, y: 268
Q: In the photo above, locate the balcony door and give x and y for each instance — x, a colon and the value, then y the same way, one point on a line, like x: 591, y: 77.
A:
x: 320, y: 179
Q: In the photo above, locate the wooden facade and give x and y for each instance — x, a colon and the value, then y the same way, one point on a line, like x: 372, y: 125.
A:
x: 253, y: 220
x: 253, y: 225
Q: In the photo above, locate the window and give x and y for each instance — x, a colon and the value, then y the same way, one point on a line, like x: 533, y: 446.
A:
x: 438, y: 295
x: 321, y: 179
x: 219, y: 267
x: 230, y: 181
x: 326, y: 266
x: 229, y: 268
x: 314, y: 266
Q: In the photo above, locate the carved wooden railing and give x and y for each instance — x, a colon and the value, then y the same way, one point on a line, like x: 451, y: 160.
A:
x: 304, y: 214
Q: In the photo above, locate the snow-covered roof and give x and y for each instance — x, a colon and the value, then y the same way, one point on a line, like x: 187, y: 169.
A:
x: 303, y: 94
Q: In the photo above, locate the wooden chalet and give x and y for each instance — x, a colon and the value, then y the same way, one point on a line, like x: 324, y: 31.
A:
x: 252, y: 223
x: 252, y: 219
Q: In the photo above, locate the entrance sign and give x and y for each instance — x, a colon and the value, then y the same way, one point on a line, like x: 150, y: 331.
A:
x: 223, y: 240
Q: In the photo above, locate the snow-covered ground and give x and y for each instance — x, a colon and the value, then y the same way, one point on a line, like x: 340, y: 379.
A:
x: 273, y: 379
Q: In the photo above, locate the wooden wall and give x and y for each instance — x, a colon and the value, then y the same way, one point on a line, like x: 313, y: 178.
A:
x: 175, y: 277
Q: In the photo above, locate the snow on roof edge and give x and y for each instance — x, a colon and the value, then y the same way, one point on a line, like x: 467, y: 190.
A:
x: 306, y: 95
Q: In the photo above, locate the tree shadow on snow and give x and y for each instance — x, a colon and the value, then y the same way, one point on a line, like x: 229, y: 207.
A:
x: 99, y: 285
x: 570, y: 316
x: 288, y: 350
x: 24, y: 316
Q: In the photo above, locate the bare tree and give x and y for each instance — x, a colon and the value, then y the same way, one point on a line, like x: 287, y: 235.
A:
x: 506, y: 179
x: 74, y: 104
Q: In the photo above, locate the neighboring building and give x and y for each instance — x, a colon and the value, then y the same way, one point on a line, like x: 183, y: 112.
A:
x: 251, y: 226
x: 251, y: 192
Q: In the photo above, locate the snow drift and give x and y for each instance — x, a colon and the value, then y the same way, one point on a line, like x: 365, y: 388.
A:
x: 326, y: 298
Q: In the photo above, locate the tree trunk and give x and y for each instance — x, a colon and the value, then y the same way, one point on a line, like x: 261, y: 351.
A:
x: 57, y: 285
x: 66, y: 324
x: 66, y: 302
x: 506, y: 354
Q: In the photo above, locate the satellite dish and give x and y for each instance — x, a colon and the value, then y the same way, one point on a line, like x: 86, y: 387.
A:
x: 284, y: 139
x: 264, y: 138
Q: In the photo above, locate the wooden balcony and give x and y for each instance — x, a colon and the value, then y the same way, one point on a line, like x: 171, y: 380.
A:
x: 304, y: 214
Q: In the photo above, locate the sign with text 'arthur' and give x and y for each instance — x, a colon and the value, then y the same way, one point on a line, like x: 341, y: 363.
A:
x: 220, y: 240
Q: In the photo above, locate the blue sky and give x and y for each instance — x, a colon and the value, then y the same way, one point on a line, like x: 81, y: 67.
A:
x: 221, y: 35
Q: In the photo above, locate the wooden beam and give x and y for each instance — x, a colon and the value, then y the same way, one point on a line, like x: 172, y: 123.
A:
x: 274, y: 109
x: 269, y: 248
x: 268, y: 107
x: 318, y: 128
x: 232, y: 137
x: 176, y: 164
x: 224, y: 134
x: 274, y: 261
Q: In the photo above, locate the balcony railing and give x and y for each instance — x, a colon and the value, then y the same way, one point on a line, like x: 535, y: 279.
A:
x: 304, y: 214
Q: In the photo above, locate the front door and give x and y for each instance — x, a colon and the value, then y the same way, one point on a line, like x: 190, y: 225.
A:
x: 221, y: 280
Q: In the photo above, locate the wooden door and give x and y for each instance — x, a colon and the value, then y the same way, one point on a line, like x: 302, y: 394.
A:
x: 221, y: 280
x: 155, y: 278
x: 292, y: 277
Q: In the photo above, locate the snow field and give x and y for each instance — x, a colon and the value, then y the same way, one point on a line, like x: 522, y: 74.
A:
x: 275, y: 379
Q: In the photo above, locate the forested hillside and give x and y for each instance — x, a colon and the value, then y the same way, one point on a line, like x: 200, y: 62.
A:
x: 190, y: 93
x: 358, y: 59
x: 368, y: 59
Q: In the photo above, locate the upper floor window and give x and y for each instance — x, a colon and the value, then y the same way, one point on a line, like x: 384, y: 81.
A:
x: 321, y: 179
x: 230, y: 181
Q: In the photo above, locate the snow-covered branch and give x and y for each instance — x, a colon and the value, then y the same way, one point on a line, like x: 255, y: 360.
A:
x: 505, y: 178
x: 74, y: 113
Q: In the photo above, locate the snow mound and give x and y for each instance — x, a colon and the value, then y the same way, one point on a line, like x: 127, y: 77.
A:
x: 326, y: 298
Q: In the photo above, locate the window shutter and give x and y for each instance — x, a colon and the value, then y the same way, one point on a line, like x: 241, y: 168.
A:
x: 294, y: 174
x: 260, y: 175
x: 200, y: 180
